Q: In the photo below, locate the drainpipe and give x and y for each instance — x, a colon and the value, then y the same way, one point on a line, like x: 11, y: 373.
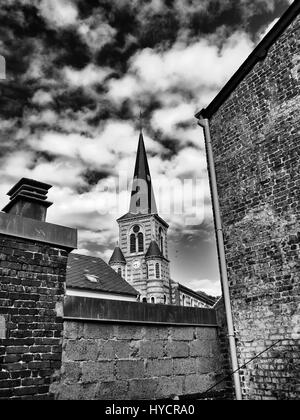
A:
x: 204, y: 123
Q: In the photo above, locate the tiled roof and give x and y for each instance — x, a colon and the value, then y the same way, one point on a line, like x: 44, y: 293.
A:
x: 91, y: 273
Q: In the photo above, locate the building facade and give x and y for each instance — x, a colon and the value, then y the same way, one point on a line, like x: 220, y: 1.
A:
x: 254, y: 127
x: 141, y: 256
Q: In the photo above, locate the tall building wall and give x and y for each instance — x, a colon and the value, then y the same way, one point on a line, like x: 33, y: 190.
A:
x: 256, y: 145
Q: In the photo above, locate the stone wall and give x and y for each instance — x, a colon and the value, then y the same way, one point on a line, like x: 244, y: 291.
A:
x: 32, y: 287
x: 256, y: 144
x: 110, y: 359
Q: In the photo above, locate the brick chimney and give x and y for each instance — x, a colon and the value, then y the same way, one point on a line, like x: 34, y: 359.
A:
x: 28, y: 198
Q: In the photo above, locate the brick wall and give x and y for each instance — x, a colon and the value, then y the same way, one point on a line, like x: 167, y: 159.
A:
x: 31, y: 294
x: 255, y: 136
x: 32, y: 287
x: 119, y: 361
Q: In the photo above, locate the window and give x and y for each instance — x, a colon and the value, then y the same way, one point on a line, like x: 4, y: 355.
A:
x: 120, y: 271
x: 132, y: 243
x: 147, y: 271
x: 183, y: 300
x: 144, y: 300
x: 161, y: 240
x: 141, y: 242
x: 153, y: 299
x: 136, y: 239
x: 165, y: 299
x: 157, y: 271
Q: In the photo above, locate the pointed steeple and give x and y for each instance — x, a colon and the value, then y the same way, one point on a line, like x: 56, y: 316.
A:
x: 153, y: 251
x: 142, y: 196
x: 117, y: 257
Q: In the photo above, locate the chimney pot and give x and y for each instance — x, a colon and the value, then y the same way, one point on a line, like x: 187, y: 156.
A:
x: 28, y: 198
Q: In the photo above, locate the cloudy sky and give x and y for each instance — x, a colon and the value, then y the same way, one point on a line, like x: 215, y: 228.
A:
x: 78, y: 73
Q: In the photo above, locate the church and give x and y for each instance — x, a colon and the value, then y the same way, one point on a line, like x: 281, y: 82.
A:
x: 141, y: 256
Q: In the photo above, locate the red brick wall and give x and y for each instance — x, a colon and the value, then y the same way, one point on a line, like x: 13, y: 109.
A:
x: 256, y: 144
x: 32, y: 283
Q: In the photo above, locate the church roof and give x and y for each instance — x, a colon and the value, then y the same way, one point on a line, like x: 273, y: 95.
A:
x: 142, y: 195
x: 209, y: 300
x: 153, y: 250
x: 117, y: 256
x: 91, y: 273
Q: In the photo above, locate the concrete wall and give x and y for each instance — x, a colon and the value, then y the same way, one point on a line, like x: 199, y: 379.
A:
x: 136, y: 357
x: 32, y: 287
x: 256, y: 144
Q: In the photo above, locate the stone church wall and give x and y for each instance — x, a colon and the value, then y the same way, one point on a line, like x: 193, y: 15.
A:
x: 256, y: 145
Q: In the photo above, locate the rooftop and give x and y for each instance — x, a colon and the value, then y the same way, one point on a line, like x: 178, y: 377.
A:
x: 91, y: 273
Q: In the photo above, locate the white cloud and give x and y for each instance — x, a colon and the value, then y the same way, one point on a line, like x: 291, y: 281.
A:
x: 59, y: 12
x: 88, y: 76
x: 105, y: 150
x: 190, y: 67
x: 22, y: 164
x: 96, y: 33
x: 41, y: 97
x: 210, y: 287
x: 166, y: 118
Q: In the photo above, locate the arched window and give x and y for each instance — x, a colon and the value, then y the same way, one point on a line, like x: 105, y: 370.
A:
x: 136, y: 239
x: 132, y: 243
x: 153, y: 299
x: 144, y: 300
x: 140, y: 242
x: 120, y: 271
x: 157, y: 271
x: 161, y: 240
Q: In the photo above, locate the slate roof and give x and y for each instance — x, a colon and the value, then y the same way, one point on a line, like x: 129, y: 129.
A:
x: 117, y: 256
x: 153, y: 250
x: 142, y: 173
x: 91, y: 273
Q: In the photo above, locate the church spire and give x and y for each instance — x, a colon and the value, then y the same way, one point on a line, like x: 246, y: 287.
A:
x: 142, y: 196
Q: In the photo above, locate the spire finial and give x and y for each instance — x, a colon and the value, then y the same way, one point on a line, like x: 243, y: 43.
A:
x: 141, y: 121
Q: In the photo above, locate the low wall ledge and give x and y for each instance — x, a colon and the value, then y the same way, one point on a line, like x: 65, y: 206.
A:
x: 36, y: 230
x: 103, y: 310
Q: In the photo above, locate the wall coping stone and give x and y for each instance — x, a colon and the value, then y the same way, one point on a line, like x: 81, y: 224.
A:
x: 77, y: 308
x: 39, y: 231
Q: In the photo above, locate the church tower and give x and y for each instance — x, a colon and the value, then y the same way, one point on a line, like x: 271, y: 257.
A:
x: 142, y: 255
